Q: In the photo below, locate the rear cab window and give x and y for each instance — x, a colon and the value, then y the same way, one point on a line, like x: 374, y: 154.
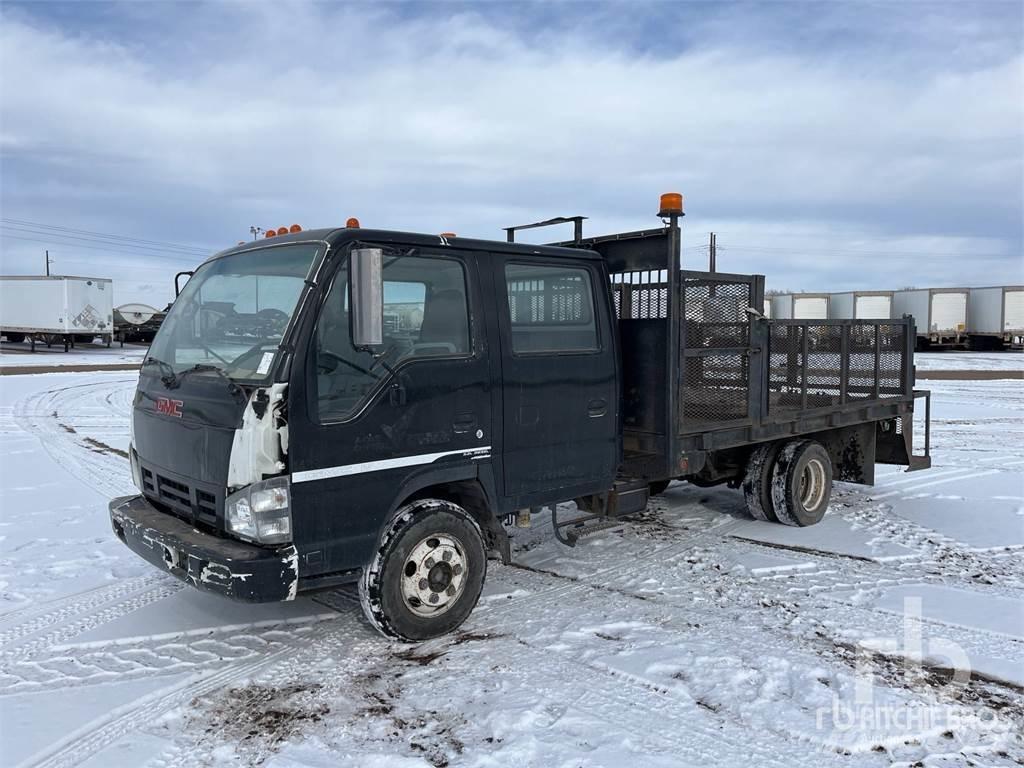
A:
x: 551, y: 309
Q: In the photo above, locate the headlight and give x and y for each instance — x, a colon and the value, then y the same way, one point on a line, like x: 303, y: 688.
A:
x: 261, y: 512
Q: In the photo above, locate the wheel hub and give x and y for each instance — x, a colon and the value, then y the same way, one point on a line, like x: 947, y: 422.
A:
x: 434, y: 575
x: 812, y: 485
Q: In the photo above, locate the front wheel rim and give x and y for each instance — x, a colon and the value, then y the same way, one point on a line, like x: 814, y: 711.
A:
x: 812, y: 485
x: 434, y: 575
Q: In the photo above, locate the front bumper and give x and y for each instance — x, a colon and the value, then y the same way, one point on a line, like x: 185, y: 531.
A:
x: 223, y: 566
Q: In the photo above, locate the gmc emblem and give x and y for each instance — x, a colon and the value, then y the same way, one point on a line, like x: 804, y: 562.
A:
x: 169, y: 407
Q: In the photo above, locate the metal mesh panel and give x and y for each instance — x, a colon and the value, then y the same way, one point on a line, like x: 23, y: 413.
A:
x: 715, y: 313
x: 890, y: 369
x: 824, y: 364
x: 714, y: 341
x: 806, y: 364
x: 640, y: 295
x: 714, y: 389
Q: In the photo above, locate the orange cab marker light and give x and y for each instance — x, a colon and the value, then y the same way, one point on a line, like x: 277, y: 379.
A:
x: 352, y: 223
x: 241, y: 242
x: 294, y: 228
x: 671, y: 203
x: 282, y: 230
x: 448, y: 234
x: 271, y: 233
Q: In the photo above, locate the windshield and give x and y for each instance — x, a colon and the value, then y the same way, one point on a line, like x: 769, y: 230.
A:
x: 233, y: 312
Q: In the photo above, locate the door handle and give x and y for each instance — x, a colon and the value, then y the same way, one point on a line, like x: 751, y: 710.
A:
x: 465, y: 422
x: 597, y: 408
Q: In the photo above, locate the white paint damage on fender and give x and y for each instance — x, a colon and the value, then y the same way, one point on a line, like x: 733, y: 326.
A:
x: 291, y: 562
x: 260, y: 444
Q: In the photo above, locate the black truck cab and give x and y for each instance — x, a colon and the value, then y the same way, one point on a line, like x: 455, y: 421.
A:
x: 342, y: 405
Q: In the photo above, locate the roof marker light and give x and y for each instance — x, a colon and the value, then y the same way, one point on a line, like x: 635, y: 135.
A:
x: 282, y: 230
x: 271, y: 233
x: 352, y: 223
x: 448, y: 234
x: 294, y: 228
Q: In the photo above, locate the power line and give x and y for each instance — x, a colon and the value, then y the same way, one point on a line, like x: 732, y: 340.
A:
x: 839, y: 251
x: 111, y: 249
x: 154, y: 250
x: 107, y: 235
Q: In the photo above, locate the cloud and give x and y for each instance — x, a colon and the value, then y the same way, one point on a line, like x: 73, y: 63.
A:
x: 189, y: 123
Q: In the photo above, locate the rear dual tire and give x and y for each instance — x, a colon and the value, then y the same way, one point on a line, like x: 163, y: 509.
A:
x: 789, y: 483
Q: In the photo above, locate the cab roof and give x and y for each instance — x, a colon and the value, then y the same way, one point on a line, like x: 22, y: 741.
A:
x: 338, y: 236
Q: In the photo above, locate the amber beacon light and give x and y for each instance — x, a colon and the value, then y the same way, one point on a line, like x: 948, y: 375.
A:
x: 671, y: 204
x: 352, y: 223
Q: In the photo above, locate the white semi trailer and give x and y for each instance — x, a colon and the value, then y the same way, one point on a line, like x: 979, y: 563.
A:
x: 940, y: 314
x: 860, y: 305
x: 56, y: 308
x: 996, y: 317
x: 800, y: 306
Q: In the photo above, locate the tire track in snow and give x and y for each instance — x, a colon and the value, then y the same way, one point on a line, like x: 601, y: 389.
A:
x: 55, y: 416
x: 101, y: 733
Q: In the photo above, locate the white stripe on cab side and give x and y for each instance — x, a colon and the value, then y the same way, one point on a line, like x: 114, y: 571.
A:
x: 376, y: 466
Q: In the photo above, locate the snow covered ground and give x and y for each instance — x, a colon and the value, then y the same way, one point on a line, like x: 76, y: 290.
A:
x: 14, y: 355
x: 892, y: 633
x: 969, y: 361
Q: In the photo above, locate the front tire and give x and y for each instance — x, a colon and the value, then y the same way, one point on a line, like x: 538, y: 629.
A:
x: 801, y: 483
x: 426, y: 576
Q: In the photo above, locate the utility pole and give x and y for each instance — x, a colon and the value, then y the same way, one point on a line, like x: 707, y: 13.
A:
x: 711, y: 253
x: 48, y: 262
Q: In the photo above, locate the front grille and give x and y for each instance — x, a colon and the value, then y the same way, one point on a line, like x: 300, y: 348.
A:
x: 199, y: 506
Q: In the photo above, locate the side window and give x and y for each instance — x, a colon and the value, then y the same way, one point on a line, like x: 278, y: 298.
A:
x: 551, y: 308
x: 425, y: 315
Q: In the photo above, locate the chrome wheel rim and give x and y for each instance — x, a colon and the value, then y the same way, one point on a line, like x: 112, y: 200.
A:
x: 812, y: 485
x: 434, y: 575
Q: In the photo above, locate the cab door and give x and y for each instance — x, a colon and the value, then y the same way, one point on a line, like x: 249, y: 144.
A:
x: 559, y: 395
x: 377, y: 425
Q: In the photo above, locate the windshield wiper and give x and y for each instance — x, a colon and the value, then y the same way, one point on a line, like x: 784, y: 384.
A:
x: 168, y: 376
x: 233, y: 387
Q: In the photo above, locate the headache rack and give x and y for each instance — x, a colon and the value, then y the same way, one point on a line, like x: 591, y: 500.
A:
x: 703, y: 370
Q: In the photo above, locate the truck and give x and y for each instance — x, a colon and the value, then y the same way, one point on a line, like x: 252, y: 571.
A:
x: 860, y: 305
x: 995, y: 319
x: 56, y: 308
x: 800, y: 306
x: 940, y: 315
x: 285, y: 438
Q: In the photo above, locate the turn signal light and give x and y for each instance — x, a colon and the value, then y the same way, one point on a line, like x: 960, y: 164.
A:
x: 294, y: 228
x: 352, y: 223
x: 271, y: 233
x: 671, y: 203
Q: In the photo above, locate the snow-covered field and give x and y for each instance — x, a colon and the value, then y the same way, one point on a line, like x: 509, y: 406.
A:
x: 969, y: 361
x: 691, y: 636
x: 13, y: 355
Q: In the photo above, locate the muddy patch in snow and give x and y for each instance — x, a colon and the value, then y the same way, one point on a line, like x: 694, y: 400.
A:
x: 258, y: 719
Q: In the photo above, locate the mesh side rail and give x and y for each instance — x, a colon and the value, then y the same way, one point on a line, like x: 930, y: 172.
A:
x: 715, y: 338
x: 820, y: 364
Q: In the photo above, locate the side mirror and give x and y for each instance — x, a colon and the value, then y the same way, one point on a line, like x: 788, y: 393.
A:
x: 367, y: 297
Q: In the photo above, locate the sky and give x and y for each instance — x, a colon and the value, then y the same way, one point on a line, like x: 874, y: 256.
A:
x: 830, y: 145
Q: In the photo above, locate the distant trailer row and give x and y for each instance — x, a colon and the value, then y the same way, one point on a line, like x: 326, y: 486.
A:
x: 979, y: 318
